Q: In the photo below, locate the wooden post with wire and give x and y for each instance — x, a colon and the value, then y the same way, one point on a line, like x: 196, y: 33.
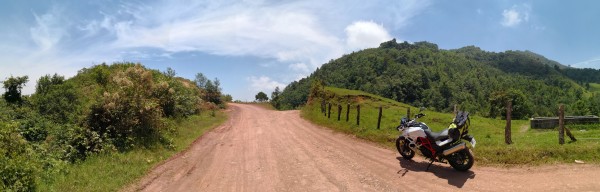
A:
x: 507, y: 133
x: 347, y: 112
x: 379, y: 117
x: 339, y: 111
x: 357, y: 114
x: 561, y: 124
x: 329, y: 112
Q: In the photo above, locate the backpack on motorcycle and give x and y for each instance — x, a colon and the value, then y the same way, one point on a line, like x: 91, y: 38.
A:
x: 462, y: 121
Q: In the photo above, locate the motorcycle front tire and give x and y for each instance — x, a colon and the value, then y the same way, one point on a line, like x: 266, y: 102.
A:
x: 406, y: 152
x: 462, y: 160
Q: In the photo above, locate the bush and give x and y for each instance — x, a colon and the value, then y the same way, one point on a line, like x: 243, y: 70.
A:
x: 55, y: 99
x: 19, y: 169
x: 128, y: 113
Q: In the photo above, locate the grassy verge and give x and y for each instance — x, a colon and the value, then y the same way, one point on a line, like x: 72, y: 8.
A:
x: 111, y: 172
x: 534, y: 147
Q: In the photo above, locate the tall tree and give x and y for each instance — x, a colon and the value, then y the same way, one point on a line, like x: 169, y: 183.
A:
x: 13, y: 87
x: 201, y: 80
x: 275, y: 98
x: 213, y: 91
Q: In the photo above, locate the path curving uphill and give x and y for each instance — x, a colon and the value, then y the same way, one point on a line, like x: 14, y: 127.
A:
x: 264, y: 150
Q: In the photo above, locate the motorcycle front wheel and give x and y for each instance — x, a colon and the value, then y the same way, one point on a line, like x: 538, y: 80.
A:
x: 404, y: 150
x: 462, y: 160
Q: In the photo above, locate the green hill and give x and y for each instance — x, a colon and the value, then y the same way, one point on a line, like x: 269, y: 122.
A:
x: 529, y: 147
x: 85, y: 132
x: 421, y: 74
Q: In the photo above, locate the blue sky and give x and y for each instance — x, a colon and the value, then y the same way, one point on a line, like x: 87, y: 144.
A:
x: 257, y: 45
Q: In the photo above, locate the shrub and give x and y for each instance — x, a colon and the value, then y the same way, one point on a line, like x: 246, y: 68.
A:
x: 19, y: 169
x: 128, y: 113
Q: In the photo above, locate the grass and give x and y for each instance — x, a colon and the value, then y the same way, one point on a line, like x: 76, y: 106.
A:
x: 533, y: 147
x: 113, y: 171
x: 594, y: 87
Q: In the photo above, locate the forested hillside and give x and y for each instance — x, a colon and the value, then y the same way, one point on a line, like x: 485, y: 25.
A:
x: 103, y: 109
x: 421, y: 74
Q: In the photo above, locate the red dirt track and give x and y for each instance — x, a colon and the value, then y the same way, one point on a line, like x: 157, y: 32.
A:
x: 264, y: 150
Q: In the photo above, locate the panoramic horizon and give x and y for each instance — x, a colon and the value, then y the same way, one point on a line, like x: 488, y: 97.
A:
x: 253, y: 46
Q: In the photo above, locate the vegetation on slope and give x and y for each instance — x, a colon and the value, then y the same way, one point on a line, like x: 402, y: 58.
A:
x: 106, y: 109
x: 530, y: 146
x: 421, y: 74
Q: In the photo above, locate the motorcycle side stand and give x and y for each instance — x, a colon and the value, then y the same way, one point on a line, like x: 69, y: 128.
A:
x: 430, y: 163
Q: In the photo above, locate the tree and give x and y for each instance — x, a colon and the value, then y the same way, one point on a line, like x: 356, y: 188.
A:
x: 261, y: 97
x: 201, y: 80
x: 170, y: 73
x: 213, y: 91
x: 275, y: 98
x: 520, y: 107
x: 13, y: 87
x: 54, y: 98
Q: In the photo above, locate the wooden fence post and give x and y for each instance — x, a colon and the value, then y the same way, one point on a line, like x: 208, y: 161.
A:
x: 339, y: 111
x: 329, y: 112
x: 455, y: 109
x: 561, y: 124
x: 408, y: 113
x: 347, y: 112
x: 379, y: 117
x: 507, y: 134
x: 324, y: 107
x: 357, y: 114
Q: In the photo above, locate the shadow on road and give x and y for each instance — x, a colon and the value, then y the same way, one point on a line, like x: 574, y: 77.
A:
x: 443, y: 171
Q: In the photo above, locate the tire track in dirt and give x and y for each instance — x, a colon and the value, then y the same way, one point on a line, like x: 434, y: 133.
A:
x: 264, y: 150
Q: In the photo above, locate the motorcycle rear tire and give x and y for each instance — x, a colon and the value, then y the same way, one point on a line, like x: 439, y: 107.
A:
x: 462, y: 160
x: 406, y: 152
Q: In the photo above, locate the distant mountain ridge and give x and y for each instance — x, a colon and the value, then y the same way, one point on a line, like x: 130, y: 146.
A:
x: 421, y: 74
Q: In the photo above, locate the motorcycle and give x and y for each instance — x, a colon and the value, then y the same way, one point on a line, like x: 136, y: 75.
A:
x: 448, y: 145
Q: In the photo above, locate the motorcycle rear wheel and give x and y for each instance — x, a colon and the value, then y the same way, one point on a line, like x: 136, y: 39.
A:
x: 404, y: 150
x: 462, y: 160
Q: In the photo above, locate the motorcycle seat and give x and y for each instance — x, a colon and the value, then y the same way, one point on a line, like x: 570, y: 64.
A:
x: 437, y: 136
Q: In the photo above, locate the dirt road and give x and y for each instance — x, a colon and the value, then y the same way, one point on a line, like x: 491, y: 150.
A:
x: 264, y: 150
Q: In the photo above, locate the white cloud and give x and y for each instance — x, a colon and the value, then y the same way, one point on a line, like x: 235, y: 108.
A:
x: 515, y: 15
x: 264, y: 84
x: 365, y: 34
x: 591, y: 63
x: 301, y: 67
x: 45, y: 34
x: 300, y: 34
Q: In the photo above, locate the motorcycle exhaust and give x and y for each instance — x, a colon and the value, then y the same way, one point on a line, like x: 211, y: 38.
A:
x: 454, y: 149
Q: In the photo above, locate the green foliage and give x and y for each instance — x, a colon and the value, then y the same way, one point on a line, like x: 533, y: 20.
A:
x: 275, y: 98
x: 521, y: 108
x: 13, y: 87
x: 18, y: 168
x: 586, y: 75
x: 213, y: 91
x: 114, y: 171
x: 55, y: 99
x: 421, y: 74
x: 226, y: 98
x: 261, y: 97
x: 105, y: 109
x: 129, y: 113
